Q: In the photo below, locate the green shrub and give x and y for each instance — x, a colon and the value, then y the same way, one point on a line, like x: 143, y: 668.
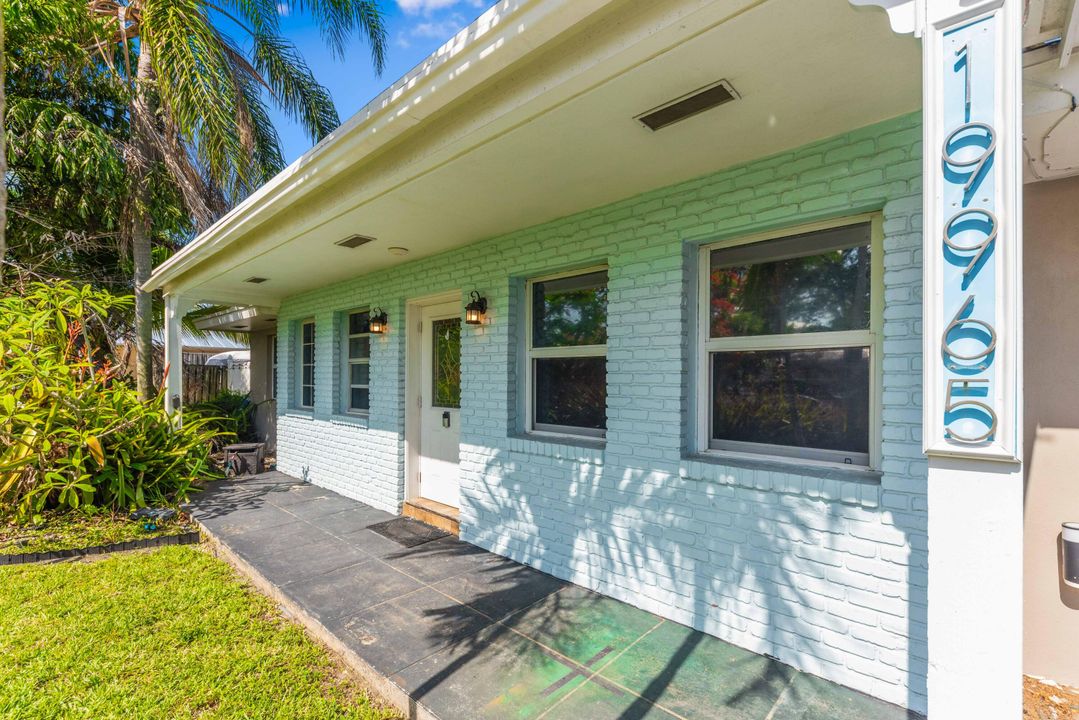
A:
x: 231, y: 415
x: 72, y: 434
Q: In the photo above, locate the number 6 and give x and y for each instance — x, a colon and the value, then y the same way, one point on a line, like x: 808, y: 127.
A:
x: 957, y: 323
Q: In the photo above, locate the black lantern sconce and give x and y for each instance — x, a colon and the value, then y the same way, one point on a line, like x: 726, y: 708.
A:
x: 379, y: 321
x: 475, y: 310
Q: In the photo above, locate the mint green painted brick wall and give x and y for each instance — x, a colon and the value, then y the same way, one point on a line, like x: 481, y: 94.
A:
x: 822, y: 572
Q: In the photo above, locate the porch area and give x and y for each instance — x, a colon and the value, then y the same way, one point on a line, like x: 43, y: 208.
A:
x: 444, y: 629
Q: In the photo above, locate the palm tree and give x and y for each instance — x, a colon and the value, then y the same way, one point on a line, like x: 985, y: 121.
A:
x: 3, y: 151
x: 198, y: 109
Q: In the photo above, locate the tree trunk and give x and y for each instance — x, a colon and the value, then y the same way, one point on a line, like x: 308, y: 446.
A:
x: 139, y: 157
x: 3, y: 147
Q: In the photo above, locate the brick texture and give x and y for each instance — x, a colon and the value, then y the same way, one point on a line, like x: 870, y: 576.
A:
x: 826, y: 571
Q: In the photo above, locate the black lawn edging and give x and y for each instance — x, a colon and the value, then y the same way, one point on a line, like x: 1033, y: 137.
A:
x: 191, y: 537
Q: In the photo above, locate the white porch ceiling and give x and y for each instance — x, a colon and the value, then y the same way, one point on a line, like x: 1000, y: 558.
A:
x: 555, y: 134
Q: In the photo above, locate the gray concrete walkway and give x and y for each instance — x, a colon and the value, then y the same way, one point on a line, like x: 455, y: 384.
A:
x: 447, y: 630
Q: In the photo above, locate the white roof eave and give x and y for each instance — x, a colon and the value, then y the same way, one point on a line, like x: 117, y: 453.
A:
x: 512, y: 27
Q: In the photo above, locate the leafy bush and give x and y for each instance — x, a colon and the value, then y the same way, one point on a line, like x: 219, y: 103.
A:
x: 71, y: 433
x: 231, y: 415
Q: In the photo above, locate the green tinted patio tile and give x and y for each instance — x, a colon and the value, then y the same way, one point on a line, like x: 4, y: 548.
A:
x: 594, y: 701
x: 699, y: 676
x: 812, y: 698
x: 494, y: 674
x: 583, y: 625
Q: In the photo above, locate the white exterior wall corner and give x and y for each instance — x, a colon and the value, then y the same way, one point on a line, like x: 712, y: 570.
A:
x: 825, y: 573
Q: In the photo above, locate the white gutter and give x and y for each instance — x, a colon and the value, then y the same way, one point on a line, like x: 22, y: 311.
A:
x: 513, y: 28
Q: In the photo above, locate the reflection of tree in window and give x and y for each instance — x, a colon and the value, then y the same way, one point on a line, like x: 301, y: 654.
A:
x: 771, y: 383
x: 569, y: 365
x: 447, y: 365
x: 570, y: 311
x: 814, y: 293
x: 799, y: 398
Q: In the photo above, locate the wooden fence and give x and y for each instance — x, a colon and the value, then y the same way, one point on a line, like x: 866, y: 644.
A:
x: 204, y: 382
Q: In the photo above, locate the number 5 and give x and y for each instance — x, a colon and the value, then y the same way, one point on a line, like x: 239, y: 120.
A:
x: 970, y: 408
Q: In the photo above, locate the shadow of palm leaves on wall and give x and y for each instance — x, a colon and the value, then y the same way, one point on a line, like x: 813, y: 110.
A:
x: 625, y: 534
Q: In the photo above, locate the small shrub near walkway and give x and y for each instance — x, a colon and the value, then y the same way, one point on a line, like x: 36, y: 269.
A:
x: 73, y: 433
x: 169, y: 633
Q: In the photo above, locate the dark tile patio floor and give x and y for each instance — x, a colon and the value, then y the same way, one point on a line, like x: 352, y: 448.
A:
x: 468, y: 634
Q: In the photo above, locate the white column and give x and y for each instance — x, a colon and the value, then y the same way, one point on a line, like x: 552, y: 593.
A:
x: 176, y: 306
x: 972, y: 70
x: 972, y: 426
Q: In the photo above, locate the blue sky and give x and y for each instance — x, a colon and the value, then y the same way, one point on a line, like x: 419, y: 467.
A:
x: 416, y: 29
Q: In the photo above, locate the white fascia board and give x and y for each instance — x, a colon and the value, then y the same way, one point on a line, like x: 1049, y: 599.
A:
x: 513, y: 27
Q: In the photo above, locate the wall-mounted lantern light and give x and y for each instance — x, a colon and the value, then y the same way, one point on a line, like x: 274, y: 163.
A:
x: 475, y: 310
x: 379, y: 321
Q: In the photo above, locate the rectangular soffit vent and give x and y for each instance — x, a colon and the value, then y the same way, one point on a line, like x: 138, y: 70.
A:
x: 255, y: 279
x: 354, y: 241
x: 698, y: 101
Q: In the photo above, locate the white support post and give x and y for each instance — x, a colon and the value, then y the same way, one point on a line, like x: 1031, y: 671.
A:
x: 972, y: 391
x: 176, y: 306
x: 973, y: 427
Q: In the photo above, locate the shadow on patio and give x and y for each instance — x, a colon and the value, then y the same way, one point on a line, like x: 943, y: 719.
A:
x: 464, y: 633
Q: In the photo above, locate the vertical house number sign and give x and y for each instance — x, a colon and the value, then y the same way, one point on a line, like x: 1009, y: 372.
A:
x: 969, y: 236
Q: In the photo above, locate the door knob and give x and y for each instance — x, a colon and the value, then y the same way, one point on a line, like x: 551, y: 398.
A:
x: 446, y: 419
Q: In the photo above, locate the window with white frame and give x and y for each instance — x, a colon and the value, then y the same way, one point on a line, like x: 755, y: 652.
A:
x: 356, y: 353
x: 567, y: 353
x: 307, y: 364
x: 789, y: 352
x: 273, y: 367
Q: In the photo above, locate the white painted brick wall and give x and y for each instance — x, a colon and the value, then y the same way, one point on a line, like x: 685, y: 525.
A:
x: 823, y: 572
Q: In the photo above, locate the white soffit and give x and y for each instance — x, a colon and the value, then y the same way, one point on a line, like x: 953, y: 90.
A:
x: 557, y: 135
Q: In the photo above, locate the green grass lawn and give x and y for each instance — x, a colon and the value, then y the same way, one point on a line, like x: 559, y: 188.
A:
x: 167, y: 633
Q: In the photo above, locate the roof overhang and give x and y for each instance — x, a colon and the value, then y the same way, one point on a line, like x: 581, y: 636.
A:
x: 529, y: 115
x: 253, y: 318
x: 500, y: 36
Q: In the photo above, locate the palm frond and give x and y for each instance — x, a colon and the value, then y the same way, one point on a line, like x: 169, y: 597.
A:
x: 339, y: 19
x: 294, y: 86
x: 204, y: 203
x: 54, y: 135
x: 265, y: 142
x: 195, y: 82
x: 260, y: 16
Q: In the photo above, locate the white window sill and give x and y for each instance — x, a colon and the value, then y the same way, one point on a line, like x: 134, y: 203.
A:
x: 793, y: 466
x: 360, y: 420
x: 593, y: 442
x: 572, y: 447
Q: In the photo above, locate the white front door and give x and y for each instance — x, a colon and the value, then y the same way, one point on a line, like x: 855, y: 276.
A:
x: 440, y: 402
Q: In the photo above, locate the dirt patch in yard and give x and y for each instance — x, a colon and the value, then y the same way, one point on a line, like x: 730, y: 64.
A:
x: 1046, y: 700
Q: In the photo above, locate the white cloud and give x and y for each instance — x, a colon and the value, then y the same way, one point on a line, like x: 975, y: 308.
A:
x: 437, y: 20
x: 439, y: 30
x: 283, y: 9
x: 428, y: 6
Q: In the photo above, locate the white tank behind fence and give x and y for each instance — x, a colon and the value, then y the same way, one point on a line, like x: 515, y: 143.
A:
x: 239, y: 364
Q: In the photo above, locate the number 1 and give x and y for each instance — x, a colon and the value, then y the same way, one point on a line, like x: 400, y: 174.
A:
x: 964, y: 54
